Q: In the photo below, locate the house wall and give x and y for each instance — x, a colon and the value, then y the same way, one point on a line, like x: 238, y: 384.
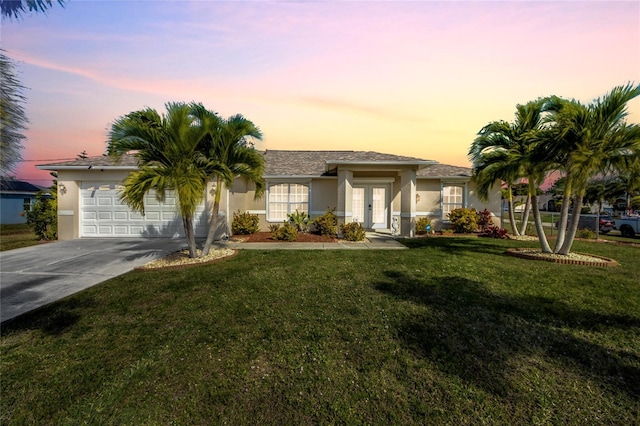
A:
x: 323, y: 196
x: 429, y: 201
x: 12, y: 208
x: 69, y: 184
x: 493, y: 204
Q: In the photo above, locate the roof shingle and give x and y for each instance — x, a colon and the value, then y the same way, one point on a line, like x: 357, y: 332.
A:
x: 293, y: 163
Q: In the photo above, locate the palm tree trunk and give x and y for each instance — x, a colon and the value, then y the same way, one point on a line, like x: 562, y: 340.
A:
x: 564, y: 216
x: 573, y: 226
x: 537, y: 219
x: 213, y: 223
x: 187, y: 222
x: 512, y: 219
x: 525, y: 215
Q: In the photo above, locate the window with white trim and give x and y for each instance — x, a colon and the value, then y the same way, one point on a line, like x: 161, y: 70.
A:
x: 286, y: 198
x: 26, y: 204
x: 452, y: 198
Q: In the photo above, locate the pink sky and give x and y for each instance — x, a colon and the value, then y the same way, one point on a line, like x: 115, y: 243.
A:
x: 407, y: 78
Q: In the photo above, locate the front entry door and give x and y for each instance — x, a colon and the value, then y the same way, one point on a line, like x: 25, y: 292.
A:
x: 370, y: 206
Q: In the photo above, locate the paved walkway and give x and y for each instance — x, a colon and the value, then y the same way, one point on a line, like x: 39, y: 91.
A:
x: 374, y: 241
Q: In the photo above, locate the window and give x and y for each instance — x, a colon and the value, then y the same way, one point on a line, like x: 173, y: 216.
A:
x: 26, y: 204
x: 286, y: 198
x: 452, y: 198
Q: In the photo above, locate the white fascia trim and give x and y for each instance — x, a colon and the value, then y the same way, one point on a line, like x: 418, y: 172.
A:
x: 86, y: 168
x: 22, y: 192
x: 422, y: 163
x: 446, y: 178
x: 298, y: 178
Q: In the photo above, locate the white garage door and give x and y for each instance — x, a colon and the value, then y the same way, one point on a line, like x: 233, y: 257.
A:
x: 104, y: 215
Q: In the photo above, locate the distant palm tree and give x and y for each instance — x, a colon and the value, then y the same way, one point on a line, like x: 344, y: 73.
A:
x: 587, y: 140
x: 231, y: 154
x: 167, y: 148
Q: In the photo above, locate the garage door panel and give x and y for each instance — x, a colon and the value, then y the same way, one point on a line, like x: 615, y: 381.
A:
x: 121, y: 230
x: 104, y: 214
x: 89, y: 230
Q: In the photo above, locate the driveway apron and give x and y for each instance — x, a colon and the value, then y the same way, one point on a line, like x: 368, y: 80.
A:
x: 35, y: 276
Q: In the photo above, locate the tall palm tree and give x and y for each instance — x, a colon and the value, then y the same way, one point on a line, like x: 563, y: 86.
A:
x: 509, y: 151
x: 232, y: 154
x: 588, y: 140
x: 168, y: 158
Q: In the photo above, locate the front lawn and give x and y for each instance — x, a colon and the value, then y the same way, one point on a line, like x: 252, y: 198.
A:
x: 17, y: 236
x: 449, y: 332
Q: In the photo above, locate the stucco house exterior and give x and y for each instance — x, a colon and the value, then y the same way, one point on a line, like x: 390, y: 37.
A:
x: 16, y: 198
x: 381, y: 191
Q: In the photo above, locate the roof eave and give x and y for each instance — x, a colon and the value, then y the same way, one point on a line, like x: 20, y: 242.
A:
x: 53, y: 167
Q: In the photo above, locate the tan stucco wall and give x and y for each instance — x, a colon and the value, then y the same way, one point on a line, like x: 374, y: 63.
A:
x: 430, y: 193
x: 323, y: 195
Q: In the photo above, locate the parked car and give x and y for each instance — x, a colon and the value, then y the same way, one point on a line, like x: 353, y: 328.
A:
x: 628, y: 226
x: 589, y: 222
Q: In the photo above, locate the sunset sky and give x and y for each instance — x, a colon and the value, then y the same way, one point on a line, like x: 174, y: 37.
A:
x: 410, y: 78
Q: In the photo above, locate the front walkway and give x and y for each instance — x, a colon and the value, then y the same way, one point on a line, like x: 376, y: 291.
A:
x: 373, y: 241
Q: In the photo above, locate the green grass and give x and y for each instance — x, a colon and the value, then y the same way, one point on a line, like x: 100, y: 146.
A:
x: 449, y: 332
x: 17, y: 236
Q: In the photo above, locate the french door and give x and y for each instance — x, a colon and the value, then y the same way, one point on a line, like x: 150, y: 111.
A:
x: 370, y: 206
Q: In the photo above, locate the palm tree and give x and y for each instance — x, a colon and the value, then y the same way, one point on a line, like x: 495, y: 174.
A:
x: 17, y: 8
x: 13, y: 120
x: 167, y: 150
x: 510, y: 152
x: 587, y: 140
x: 231, y: 154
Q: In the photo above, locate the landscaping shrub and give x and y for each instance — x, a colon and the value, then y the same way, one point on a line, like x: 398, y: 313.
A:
x: 494, y: 232
x: 327, y: 224
x: 286, y: 232
x: 464, y: 220
x: 421, y: 225
x: 352, y: 231
x: 586, y: 233
x: 300, y: 220
x: 245, y: 223
x: 43, y: 216
x: 484, y: 219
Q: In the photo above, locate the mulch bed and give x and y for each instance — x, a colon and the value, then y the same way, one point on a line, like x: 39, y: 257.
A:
x: 265, y: 237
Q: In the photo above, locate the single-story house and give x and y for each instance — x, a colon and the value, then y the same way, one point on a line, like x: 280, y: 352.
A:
x: 16, y: 198
x: 381, y: 191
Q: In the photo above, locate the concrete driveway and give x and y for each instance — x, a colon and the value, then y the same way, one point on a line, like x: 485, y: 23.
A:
x: 35, y: 276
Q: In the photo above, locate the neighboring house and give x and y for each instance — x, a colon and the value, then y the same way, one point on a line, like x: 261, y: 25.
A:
x: 16, y: 198
x: 377, y: 190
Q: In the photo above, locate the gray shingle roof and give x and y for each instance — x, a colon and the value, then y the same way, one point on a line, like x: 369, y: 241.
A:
x: 293, y: 163
x: 445, y: 170
x: 314, y: 163
x: 126, y: 160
